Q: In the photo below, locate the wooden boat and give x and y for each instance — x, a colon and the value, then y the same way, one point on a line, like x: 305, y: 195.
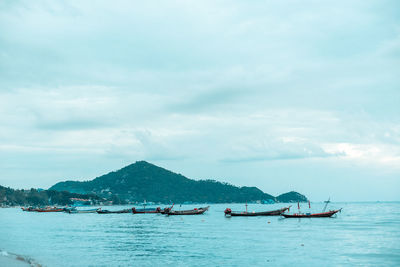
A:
x: 144, y: 210
x: 166, y: 210
x: 198, y: 211
x: 228, y: 212
x: 29, y: 209
x: 75, y: 210
x: 100, y: 211
x: 312, y: 215
x: 50, y: 209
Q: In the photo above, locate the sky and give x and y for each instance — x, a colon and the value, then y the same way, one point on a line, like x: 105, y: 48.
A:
x: 282, y: 95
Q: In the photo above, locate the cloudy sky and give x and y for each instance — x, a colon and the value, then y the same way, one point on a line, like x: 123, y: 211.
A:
x: 282, y: 95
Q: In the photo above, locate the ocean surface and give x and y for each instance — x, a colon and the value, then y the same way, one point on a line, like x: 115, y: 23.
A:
x: 363, y: 234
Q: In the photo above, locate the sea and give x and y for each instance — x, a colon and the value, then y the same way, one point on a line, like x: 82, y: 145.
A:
x: 363, y: 234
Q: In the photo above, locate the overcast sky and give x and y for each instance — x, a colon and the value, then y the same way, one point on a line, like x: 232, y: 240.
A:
x: 282, y: 95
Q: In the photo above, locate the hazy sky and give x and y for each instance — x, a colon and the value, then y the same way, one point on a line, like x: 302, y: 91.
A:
x: 282, y: 95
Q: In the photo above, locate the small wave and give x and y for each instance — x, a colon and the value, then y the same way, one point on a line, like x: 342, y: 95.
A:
x: 17, y: 257
x: 4, y: 253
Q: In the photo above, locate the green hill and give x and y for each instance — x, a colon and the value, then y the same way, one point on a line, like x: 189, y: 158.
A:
x: 144, y: 181
x: 291, y: 197
x: 37, y: 197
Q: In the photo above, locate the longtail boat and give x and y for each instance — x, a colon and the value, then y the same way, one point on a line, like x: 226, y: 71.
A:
x: 146, y: 210
x: 198, y: 211
x: 50, y: 209
x: 228, y: 212
x: 29, y: 209
x: 312, y: 215
x: 166, y: 210
x: 100, y: 211
x: 322, y: 214
x: 75, y: 210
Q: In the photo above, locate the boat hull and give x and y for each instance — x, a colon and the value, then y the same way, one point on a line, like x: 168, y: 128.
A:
x: 49, y: 210
x: 113, y: 212
x: 82, y: 211
x: 187, y: 212
x: 29, y: 209
x: 313, y: 215
x: 228, y: 212
x: 143, y: 211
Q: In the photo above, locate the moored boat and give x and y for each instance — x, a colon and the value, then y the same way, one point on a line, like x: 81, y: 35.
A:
x: 228, y: 212
x: 75, y: 210
x: 50, y: 209
x: 198, y: 211
x: 100, y: 211
x: 323, y: 214
x: 312, y: 215
x: 29, y: 209
x: 166, y: 210
x: 146, y: 210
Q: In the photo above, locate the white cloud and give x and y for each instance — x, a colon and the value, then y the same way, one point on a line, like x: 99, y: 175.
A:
x: 218, y: 82
x: 383, y: 155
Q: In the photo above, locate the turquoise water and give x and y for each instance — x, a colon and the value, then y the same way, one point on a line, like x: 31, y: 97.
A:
x: 363, y: 234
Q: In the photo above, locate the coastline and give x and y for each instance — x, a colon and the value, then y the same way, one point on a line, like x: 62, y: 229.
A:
x: 13, y: 260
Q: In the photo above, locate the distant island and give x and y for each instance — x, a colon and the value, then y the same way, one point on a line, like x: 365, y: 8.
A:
x: 139, y: 182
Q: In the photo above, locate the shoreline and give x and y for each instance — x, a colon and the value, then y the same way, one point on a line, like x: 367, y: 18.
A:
x: 15, y: 260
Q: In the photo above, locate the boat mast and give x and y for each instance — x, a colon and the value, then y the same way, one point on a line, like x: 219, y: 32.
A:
x: 326, y: 204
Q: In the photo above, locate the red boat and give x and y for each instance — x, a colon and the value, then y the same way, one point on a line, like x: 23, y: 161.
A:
x: 50, y: 209
x: 312, y: 215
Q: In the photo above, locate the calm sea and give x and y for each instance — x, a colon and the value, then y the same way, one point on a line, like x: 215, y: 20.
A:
x: 363, y: 234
